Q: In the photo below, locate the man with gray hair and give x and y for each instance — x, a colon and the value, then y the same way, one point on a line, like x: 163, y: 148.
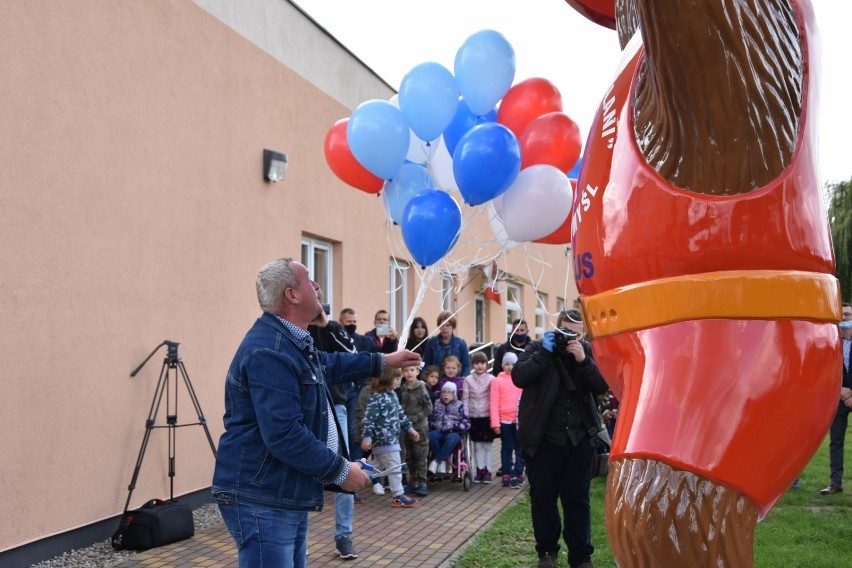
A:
x: 282, y: 444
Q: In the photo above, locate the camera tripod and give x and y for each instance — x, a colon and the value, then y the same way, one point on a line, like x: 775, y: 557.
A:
x: 172, y: 364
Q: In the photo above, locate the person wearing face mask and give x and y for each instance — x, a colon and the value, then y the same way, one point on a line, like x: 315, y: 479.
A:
x: 558, y: 378
x: 349, y: 320
x: 517, y: 342
x: 363, y: 344
x: 837, y: 433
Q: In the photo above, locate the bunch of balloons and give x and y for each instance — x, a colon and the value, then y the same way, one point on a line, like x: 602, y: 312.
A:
x: 444, y: 131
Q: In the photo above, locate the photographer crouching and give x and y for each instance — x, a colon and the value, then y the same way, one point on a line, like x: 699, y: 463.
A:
x: 557, y: 421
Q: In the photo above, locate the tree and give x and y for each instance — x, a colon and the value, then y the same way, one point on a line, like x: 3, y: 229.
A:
x: 840, y: 218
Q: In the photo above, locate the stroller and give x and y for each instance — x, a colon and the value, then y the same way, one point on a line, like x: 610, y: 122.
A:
x: 458, y: 465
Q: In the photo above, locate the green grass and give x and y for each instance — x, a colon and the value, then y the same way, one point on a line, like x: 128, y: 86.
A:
x: 804, y: 530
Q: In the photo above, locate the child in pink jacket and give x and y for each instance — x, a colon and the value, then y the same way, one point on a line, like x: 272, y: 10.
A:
x: 504, y: 421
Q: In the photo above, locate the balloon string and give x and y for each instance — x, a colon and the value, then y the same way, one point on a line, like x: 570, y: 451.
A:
x: 438, y: 329
x: 425, y: 284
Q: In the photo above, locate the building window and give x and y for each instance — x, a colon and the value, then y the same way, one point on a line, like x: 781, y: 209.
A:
x: 540, y: 314
x: 513, y: 306
x: 447, y: 292
x: 316, y: 256
x: 479, y: 321
x: 560, y: 304
x: 398, y: 294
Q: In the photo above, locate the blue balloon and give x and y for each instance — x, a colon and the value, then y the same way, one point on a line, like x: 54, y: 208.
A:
x: 575, y: 171
x: 410, y: 180
x: 486, y: 162
x: 484, y: 70
x: 463, y: 121
x: 378, y: 136
x: 431, y: 225
x: 428, y: 99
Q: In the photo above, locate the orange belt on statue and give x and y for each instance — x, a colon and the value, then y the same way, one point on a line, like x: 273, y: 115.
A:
x: 737, y: 294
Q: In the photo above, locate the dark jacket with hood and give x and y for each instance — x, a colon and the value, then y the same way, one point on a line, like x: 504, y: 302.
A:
x: 536, y: 373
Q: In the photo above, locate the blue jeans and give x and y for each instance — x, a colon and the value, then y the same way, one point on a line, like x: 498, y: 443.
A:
x: 267, y: 537
x: 442, y: 444
x: 511, y: 461
x: 344, y: 503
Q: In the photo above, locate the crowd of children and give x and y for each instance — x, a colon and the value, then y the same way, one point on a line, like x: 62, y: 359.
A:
x: 418, y: 417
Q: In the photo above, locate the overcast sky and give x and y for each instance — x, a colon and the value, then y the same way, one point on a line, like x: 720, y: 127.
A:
x: 554, y: 42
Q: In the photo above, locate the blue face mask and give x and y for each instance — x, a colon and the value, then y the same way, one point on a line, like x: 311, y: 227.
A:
x: 520, y: 337
x: 846, y: 324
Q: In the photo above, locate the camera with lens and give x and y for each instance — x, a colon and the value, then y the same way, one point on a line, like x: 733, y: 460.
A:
x: 563, y: 336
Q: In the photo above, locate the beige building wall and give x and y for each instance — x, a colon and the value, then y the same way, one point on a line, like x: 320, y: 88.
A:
x: 133, y: 210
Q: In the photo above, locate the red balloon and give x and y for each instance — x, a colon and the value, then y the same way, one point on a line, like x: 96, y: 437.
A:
x: 562, y: 235
x: 599, y: 11
x: 344, y: 165
x: 527, y: 101
x: 552, y: 139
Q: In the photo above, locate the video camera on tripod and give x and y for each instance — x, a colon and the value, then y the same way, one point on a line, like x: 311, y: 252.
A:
x: 172, y: 365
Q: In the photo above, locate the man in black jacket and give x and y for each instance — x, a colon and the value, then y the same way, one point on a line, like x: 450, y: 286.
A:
x: 559, y: 379
x: 331, y: 337
x: 837, y: 434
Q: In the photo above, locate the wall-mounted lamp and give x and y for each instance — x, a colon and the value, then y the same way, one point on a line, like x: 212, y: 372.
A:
x: 274, y: 165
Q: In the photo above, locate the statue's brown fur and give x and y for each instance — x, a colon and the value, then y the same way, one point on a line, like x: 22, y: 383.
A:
x: 720, y: 94
x: 716, y: 112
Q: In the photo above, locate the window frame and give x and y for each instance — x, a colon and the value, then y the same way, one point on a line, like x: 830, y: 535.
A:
x: 513, y: 306
x: 540, y: 322
x: 311, y: 245
x: 398, y: 293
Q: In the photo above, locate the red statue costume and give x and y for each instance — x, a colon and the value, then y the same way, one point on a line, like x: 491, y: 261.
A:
x: 714, y: 321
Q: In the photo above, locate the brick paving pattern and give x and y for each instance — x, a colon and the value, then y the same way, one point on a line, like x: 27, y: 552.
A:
x: 424, y: 536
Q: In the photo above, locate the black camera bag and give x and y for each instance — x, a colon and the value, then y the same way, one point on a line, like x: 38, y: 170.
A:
x: 156, y: 523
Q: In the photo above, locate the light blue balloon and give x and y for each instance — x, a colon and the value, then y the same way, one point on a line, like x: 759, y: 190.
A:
x: 378, y: 136
x: 430, y: 226
x: 484, y: 70
x: 463, y: 121
x: 410, y: 180
x: 428, y: 97
x: 486, y: 162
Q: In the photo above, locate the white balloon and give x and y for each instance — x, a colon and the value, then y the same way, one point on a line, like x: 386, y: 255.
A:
x: 441, y: 166
x: 497, y: 206
x: 498, y: 228
x: 537, y: 203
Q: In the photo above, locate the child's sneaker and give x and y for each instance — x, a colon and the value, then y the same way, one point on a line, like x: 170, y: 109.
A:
x: 516, y: 482
x: 505, y: 481
x: 421, y: 490
x: 486, y: 476
x: 378, y: 489
x: 478, y: 477
x: 403, y: 502
x: 433, y: 466
x: 442, y: 467
x: 410, y: 488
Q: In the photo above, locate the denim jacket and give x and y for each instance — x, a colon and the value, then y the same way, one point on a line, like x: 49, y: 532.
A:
x: 273, y: 452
